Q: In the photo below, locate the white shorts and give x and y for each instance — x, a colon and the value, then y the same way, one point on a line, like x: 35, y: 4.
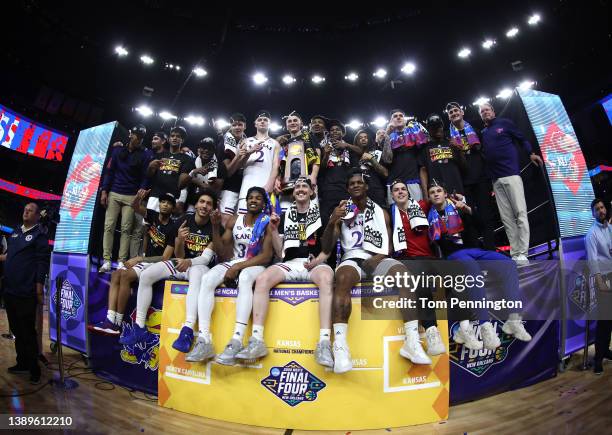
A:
x: 380, y: 270
x: 140, y: 267
x: 242, y: 206
x: 228, y: 202
x: 294, y: 270
x: 153, y: 204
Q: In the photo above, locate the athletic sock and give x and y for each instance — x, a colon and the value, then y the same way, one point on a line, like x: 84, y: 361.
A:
x: 324, y: 334
x: 239, y: 329
x: 110, y: 315
x: 340, y: 332
x: 118, y: 319
x: 258, y: 331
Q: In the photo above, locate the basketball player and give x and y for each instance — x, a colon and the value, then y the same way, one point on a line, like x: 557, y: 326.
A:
x: 296, y: 237
x: 261, y: 168
x: 244, y: 241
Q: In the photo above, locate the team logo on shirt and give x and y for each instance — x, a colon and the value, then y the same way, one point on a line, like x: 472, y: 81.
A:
x: 196, y: 243
x: 28, y: 237
x: 157, y: 237
x: 441, y: 155
x: 478, y: 362
x: 70, y: 302
x: 170, y: 166
x: 293, y: 384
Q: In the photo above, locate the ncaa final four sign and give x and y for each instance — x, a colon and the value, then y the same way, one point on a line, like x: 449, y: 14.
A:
x: 288, y: 386
x: 293, y: 384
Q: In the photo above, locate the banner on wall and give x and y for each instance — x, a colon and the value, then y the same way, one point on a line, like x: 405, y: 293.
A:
x: 72, y: 294
x: 81, y: 188
x: 291, y: 389
x: 131, y: 366
x: 515, y: 364
x: 567, y: 171
x: 20, y: 134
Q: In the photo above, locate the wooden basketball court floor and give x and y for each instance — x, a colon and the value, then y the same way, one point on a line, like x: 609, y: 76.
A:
x: 575, y: 402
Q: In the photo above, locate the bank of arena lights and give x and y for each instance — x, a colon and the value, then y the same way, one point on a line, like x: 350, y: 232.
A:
x: 275, y: 126
x: 166, y: 116
x: 220, y: 123
x: 512, y: 32
x: 380, y: 73
x: 409, y: 68
x: 288, y: 79
x: 481, y: 100
x: 380, y: 121
x: 121, y: 51
x: 351, y: 77
x: 317, y: 79
x: 195, y: 120
x: 259, y: 79
x: 504, y: 93
x: 144, y: 110
x: 200, y: 72
x: 534, y: 19
x: 146, y: 59
x: 354, y: 124
x: 464, y: 53
x: 526, y: 84
x: 488, y: 44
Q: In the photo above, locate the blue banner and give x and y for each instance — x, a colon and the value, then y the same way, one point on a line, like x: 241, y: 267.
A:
x: 72, y: 268
x: 515, y: 364
x: 130, y: 366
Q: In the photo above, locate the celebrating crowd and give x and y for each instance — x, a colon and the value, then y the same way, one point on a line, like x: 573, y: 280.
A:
x: 312, y: 205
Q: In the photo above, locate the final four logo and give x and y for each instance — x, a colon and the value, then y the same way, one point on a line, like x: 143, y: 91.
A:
x: 293, y: 384
x: 478, y: 362
x: 69, y: 300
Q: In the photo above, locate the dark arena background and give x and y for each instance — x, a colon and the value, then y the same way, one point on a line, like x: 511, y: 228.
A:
x: 80, y: 80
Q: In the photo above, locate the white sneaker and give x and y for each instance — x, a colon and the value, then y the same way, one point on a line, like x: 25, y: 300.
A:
x: 413, y: 350
x: 517, y: 329
x: 467, y: 338
x: 342, y: 358
x: 121, y: 266
x: 106, y: 267
x: 521, y: 260
x: 489, y: 337
x: 434, y: 341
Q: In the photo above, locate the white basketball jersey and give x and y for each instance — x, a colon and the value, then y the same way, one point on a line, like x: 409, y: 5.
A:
x: 258, y: 167
x: 351, y: 239
x: 242, y: 236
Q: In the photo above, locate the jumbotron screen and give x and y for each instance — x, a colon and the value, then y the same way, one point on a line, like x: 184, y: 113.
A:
x: 565, y: 164
x: 81, y: 188
x: 20, y: 134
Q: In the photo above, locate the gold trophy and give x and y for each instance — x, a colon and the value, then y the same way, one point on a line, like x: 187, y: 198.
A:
x: 295, y: 165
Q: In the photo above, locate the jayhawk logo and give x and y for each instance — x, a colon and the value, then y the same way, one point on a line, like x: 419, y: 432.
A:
x: 145, y: 352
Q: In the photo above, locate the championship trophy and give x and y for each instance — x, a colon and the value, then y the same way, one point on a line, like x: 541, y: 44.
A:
x: 295, y: 165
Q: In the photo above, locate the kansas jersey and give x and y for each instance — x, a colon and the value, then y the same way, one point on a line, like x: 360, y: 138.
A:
x: 351, y: 239
x: 257, y: 168
x: 242, y: 236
